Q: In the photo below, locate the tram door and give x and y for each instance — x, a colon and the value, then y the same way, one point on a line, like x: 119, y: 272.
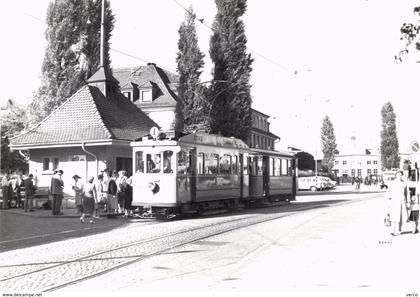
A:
x: 186, y: 176
x: 192, y: 174
x: 294, y: 177
x: 266, y: 177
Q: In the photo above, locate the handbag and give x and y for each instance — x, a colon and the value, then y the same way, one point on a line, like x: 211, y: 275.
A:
x: 387, y: 220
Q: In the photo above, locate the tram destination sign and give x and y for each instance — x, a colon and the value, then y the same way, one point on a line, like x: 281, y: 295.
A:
x: 216, y: 140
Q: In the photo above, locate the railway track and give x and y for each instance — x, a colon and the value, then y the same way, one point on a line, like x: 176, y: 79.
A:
x: 57, y: 275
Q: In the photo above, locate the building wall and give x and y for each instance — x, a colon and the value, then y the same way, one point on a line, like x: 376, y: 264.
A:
x: 165, y: 118
x: 355, y: 165
x: 73, y: 160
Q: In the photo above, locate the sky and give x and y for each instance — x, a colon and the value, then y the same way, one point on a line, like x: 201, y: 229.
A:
x: 342, y: 51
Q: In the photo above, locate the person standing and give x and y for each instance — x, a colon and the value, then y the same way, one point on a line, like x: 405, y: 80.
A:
x: 89, y: 197
x: 100, y: 198
x: 112, y: 196
x: 128, y: 197
x: 57, y: 186
x: 121, y: 184
x: 414, y: 209
x: 30, y: 189
x: 5, y: 190
x: 78, y: 193
x: 397, y: 206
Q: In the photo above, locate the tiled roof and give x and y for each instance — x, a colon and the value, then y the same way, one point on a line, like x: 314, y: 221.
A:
x: 88, y: 115
x: 148, y: 75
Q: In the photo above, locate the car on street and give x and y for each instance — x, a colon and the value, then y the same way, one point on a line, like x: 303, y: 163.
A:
x: 313, y: 183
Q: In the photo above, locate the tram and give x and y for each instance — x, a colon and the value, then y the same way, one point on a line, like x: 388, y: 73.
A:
x: 201, y: 172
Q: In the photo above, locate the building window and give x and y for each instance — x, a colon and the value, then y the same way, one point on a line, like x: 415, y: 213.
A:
x: 369, y: 172
x: 368, y: 162
x: 375, y: 162
x: 127, y: 95
x: 336, y: 162
x: 50, y: 163
x: 344, y: 162
x: 375, y: 171
x: 353, y: 172
x: 146, y: 95
x: 359, y: 172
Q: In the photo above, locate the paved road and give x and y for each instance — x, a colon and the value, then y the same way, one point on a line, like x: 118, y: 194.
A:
x: 319, y: 242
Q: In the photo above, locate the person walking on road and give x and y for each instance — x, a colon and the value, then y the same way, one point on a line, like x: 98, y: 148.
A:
x: 57, y: 186
x: 89, y: 197
x: 78, y: 193
x: 397, y: 205
x: 30, y: 189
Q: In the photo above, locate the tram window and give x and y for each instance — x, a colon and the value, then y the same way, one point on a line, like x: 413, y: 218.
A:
x: 252, y: 165
x: 139, y: 163
x: 277, y: 167
x: 289, y: 167
x: 167, y: 162
x: 283, y: 167
x: 153, y: 163
x: 259, y: 165
x: 183, y: 162
x: 234, y: 164
x: 225, y: 162
x: 200, y: 163
x: 211, y: 163
x: 271, y: 166
x: 245, y: 165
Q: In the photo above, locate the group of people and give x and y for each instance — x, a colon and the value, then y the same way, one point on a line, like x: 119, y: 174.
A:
x: 404, y: 203
x: 9, y: 187
x: 111, y: 192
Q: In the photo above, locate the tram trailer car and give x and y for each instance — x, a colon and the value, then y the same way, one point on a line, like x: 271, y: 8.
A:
x: 272, y: 176
x: 201, y: 172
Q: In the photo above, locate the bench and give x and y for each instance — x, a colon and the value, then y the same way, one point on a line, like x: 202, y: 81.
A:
x: 42, y: 195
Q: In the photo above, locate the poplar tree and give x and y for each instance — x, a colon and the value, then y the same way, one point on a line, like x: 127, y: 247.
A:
x: 229, y: 100
x: 190, y: 63
x: 328, y: 143
x: 389, y: 140
x: 72, y: 51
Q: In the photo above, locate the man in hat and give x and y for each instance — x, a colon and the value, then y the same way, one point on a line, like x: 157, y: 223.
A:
x: 57, y: 186
x: 30, y: 189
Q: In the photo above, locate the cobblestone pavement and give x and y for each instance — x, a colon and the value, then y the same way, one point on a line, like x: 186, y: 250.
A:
x: 195, y: 252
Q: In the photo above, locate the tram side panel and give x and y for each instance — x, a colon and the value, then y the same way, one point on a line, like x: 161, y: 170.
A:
x: 217, y: 187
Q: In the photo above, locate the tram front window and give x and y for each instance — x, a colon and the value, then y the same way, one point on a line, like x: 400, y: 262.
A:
x: 167, y: 161
x: 139, y: 162
x: 153, y: 163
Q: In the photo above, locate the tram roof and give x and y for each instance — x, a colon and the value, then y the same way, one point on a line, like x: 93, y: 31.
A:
x: 201, y: 138
x: 273, y: 153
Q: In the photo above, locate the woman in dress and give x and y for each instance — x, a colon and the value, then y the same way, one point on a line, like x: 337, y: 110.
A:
x: 414, y: 208
x: 89, y: 201
x: 78, y: 193
x: 397, y: 205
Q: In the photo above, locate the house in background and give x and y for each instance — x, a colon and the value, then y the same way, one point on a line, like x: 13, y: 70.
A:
x: 260, y: 135
x: 153, y: 90
x: 89, y: 132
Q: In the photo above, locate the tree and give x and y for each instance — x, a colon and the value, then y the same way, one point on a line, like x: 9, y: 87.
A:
x: 389, y: 140
x: 229, y: 99
x: 305, y: 161
x: 328, y: 143
x: 12, y: 123
x: 72, y: 52
x: 410, y: 35
x: 189, y: 65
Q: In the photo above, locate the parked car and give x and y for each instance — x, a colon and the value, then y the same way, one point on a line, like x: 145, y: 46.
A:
x: 329, y: 183
x: 313, y: 183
